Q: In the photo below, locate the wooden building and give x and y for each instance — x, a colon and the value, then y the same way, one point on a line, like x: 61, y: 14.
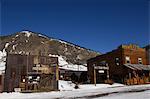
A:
x: 127, y: 64
x: 31, y: 72
x: 1, y: 82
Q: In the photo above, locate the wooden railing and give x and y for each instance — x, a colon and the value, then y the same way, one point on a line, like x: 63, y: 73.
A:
x: 137, y: 80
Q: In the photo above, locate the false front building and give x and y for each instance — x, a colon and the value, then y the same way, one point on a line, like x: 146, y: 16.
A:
x: 31, y: 72
x: 127, y: 64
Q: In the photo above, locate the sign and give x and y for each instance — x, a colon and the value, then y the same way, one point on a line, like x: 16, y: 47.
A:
x: 17, y: 89
x: 101, y: 67
x: 101, y: 71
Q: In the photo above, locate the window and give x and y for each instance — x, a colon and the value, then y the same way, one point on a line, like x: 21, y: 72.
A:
x: 127, y: 59
x: 117, y: 61
x: 140, y: 60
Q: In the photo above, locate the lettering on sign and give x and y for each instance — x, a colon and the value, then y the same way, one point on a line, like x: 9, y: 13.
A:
x: 100, y: 67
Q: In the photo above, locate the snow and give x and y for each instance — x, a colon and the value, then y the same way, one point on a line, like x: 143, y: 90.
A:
x: 74, y: 67
x: 115, y: 91
x: 14, y: 46
x: 66, y: 85
x: 63, y: 64
x: 42, y: 42
x: 64, y: 42
x: 6, y: 45
x: 2, y: 60
x: 3, y: 54
x: 27, y: 33
x: 42, y: 36
x: 16, y: 35
x: 26, y: 41
x: 69, y: 86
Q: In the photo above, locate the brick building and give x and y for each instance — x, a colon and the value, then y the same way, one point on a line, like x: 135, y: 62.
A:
x: 126, y: 62
x: 30, y: 72
x: 148, y: 53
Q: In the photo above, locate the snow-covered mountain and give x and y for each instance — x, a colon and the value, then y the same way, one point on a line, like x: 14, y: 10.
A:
x: 70, y: 55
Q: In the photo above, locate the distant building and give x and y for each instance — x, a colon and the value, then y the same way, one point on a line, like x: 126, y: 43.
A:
x: 127, y: 64
x: 31, y: 72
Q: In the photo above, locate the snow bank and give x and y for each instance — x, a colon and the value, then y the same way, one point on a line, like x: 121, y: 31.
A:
x: 68, y: 85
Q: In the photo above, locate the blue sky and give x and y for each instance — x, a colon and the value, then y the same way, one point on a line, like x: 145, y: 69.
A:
x: 100, y: 25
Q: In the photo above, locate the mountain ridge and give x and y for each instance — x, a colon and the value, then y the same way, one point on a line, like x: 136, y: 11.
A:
x: 33, y: 42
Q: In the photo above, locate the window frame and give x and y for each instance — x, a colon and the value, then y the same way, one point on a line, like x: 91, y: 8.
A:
x: 128, y: 61
x: 140, y: 60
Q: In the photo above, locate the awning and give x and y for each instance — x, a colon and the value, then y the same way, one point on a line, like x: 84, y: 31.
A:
x: 138, y: 66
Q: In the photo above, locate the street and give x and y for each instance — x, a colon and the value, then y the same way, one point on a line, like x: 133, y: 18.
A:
x: 132, y: 95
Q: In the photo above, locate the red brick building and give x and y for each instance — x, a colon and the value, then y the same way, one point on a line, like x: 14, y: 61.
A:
x: 127, y: 61
x: 148, y: 53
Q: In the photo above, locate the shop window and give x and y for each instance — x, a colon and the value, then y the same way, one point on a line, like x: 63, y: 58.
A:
x: 117, y: 61
x: 139, y: 60
x: 127, y: 59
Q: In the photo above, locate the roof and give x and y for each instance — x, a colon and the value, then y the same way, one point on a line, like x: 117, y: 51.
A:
x: 138, y: 66
x: 73, y: 67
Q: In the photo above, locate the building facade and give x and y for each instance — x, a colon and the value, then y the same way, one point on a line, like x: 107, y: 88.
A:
x: 127, y: 61
x: 1, y: 82
x: 148, y: 53
x: 30, y: 72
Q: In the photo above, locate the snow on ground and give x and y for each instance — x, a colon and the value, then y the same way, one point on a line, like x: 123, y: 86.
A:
x: 66, y: 85
x: 134, y: 95
x: 69, y: 86
x: 63, y: 64
x: 84, y: 92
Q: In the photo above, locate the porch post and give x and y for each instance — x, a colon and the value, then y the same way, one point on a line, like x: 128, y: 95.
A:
x: 94, y: 77
x: 130, y: 78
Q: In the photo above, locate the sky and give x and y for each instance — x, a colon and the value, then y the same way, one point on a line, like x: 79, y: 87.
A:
x: 100, y: 25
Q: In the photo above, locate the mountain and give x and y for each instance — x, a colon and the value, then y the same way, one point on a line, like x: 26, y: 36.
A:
x: 35, y: 43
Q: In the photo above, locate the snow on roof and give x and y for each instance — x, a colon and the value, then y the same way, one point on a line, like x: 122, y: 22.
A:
x: 63, y: 64
x: 74, y: 67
